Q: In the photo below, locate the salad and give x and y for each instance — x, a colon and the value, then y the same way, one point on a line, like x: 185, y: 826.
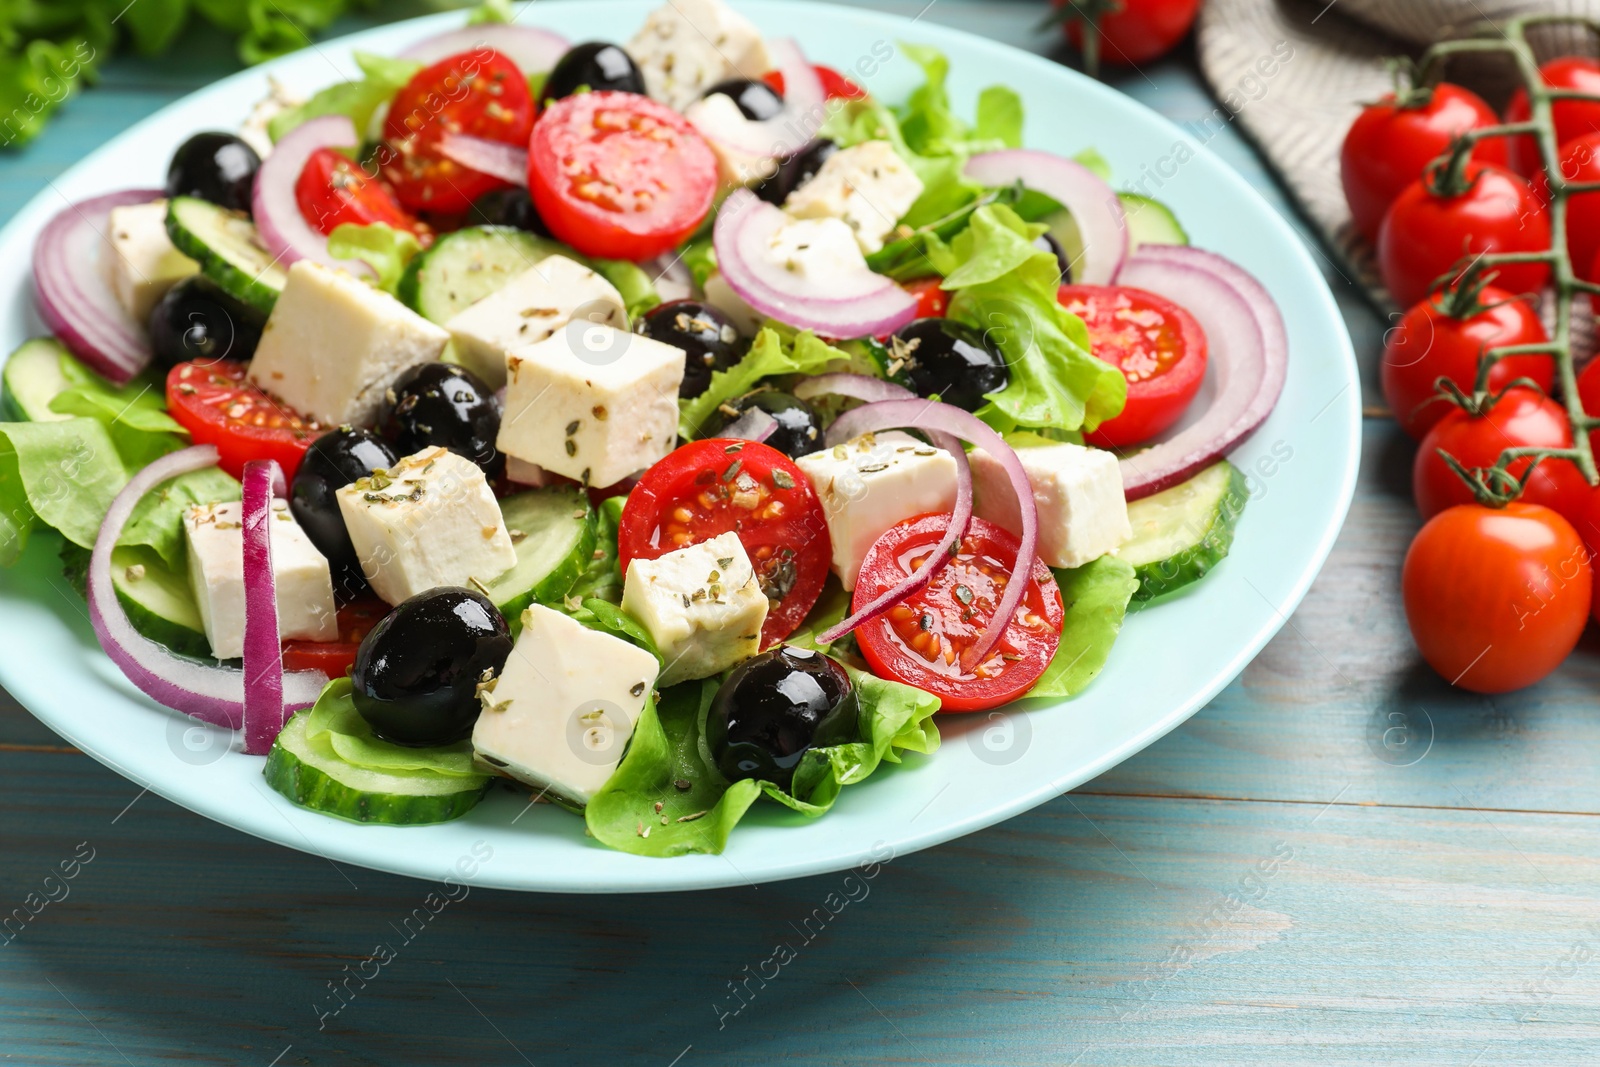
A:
x: 652, y: 427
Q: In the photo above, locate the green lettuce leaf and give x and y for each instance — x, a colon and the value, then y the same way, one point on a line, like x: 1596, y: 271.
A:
x: 157, y: 520
x: 63, y: 475
x: 602, y: 579
x: 664, y: 765
x: 41, y: 75
x: 701, y: 259
x: 1002, y: 284
x: 357, y: 99
x: 999, y: 116
x: 134, y: 414
x: 632, y: 282
x: 1095, y: 597
x: 770, y: 354
x: 335, y: 715
x: 606, y: 617
x: 491, y: 11
x: 386, y: 250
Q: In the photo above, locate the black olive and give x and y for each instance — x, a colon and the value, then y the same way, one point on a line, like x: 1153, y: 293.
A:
x: 197, y: 320
x: 796, y: 170
x: 757, y: 101
x: 417, y: 672
x: 1048, y: 242
x: 706, y: 334
x: 948, y: 359
x: 218, y: 167
x: 596, y: 66
x: 775, y: 708
x: 446, y: 405
x: 799, y: 430
x: 507, y: 207
x: 333, y: 461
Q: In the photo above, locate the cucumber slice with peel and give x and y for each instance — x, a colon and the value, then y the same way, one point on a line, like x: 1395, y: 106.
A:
x: 228, y: 248
x: 307, y: 770
x: 465, y: 266
x: 157, y: 599
x: 32, y: 378
x: 554, y: 534
x: 1179, y: 534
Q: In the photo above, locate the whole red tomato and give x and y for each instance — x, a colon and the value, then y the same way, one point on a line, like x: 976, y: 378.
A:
x: 1573, y: 118
x: 1131, y: 31
x: 1496, y: 598
x: 1580, y: 162
x: 1522, y: 418
x: 1427, y: 234
x: 1390, y: 143
x: 1429, y: 342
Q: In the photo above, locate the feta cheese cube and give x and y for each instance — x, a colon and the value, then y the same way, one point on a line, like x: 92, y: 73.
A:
x: 1078, y: 491
x: 430, y: 520
x: 564, y: 706
x: 214, y: 534
x: 869, y: 484
x: 687, y: 46
x: 719, y: 119
x: 527, y: 309
x: 720, y: 295
x: 279, y: 99
x: 594, y: 403
x: 820, y: 250
x: 868, y: 186
x: 702, y: 605
x: 141, y: 264
x: 333, y: 345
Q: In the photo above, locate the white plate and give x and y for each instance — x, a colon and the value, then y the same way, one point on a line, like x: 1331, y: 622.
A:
x: 1170, y: 660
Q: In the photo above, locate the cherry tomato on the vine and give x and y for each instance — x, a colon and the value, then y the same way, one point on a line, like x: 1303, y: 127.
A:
x: 1429, y: 343
x: 1496, y: 597
x: 1573, y: 118
x: 1389, y: 144
x: 1522, y: 418
x: 1425, y: 235
x: 1131, y: 31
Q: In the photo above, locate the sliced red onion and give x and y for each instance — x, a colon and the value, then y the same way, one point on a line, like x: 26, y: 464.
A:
x: 848, y: 304
x: 264, y: 713
x: 532, y: 49
x: 673, y: 279
x: 1093, y: 204
x: 855, y: 386
x: 497, y: 159
x: 284, y: 230
x: 753, y: 425
x: 74, y: 298
x: 1248, y: 352
x: 791, y: 129
x: 211, y: 694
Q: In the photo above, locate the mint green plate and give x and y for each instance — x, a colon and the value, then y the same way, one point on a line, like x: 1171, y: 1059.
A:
x: 1171, y: 659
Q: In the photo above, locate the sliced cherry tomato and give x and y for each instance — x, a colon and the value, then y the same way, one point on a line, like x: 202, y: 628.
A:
x: 920, y: 640
x: 1573, y: 118
x: 1428, y: 344
x: 480, y: 93
x: 1131, y: 31
x: 1522, y: 418
x: 1158, y: 346
x: 1388, y: 145
x: 1425, y: 235
x: 932, y: 301
x: 708, y: 488
x: 618, y: 175
x: 335, y: 658
x: 333, y: 190
x: 218, y: 406
x: 1496, y: 598
x: 835, y: 86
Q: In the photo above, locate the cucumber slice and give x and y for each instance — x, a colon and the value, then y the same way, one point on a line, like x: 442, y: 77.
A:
x: 157, y: 599
x: 31, y: 379
x: 309, y: 772
x: 1150, y: 222
x: 554, y: 531
x: 228, y: 248
x: 1179, y: 534
x: 465, y: 266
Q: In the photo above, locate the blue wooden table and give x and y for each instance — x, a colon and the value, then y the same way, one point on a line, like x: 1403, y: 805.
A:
x: 1339, y: 861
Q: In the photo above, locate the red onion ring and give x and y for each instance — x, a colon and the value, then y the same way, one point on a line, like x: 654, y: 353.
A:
x: 73, y: 297
x: 209, y: 693
x: 791, y: 129
x: 1249, y: 349
x: 753, y: 425
x: 497, y: 159
x: 855, y: 386
x: 861, y: 304
x: 283, y: 228
x: 264, y: 713
x: 673, y: 279
x: 1093, y: 204
x: 532, y: 49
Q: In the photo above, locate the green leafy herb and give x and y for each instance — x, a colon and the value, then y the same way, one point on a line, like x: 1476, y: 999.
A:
x: 701, y: 259
x: 386, y: 250
x: 636, y: 287
x: 606, y: 617
x: 1096, y: 597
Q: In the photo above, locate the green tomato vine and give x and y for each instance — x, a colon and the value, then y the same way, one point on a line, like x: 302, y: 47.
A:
x: 1496, y: 485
